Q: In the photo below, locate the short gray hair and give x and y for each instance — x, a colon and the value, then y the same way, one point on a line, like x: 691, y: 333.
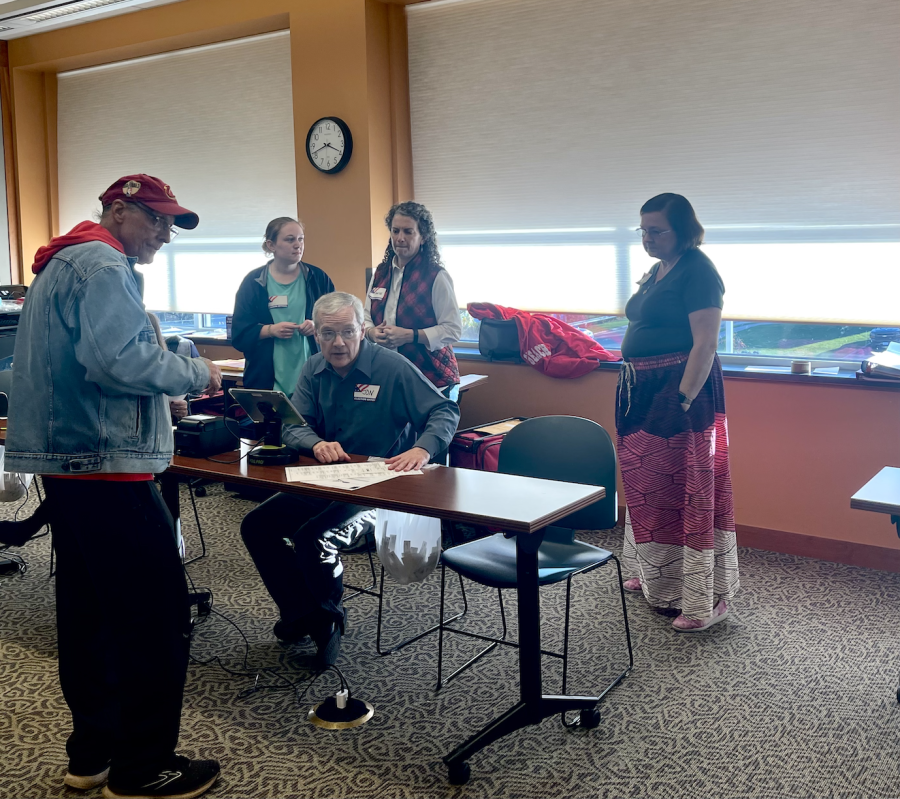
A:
x: 335, y: 302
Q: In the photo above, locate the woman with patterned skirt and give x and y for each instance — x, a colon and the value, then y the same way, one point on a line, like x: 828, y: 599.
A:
x: 672, y: 434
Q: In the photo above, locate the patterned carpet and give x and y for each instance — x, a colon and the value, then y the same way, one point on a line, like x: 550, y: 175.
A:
x: 792, y: 696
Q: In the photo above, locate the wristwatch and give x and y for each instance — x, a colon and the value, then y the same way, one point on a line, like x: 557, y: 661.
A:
x: 684, y: 398
x: 415, y: 335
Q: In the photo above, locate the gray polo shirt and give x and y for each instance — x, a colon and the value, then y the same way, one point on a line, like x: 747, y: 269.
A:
x: 383, y: 407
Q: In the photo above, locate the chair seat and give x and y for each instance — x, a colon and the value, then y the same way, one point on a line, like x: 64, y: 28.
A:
x: 492, y: 561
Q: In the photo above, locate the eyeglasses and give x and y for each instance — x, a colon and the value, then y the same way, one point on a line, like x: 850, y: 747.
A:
x: 159, y: 222
x: 653, y: 233
x: 346, y: 334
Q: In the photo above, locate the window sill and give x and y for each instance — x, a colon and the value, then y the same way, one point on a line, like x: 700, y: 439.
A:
x: 846, y: 379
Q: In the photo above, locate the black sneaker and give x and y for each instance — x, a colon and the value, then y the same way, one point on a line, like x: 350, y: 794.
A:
x: 183, y: 779
x: 292, y: 632
x: 84, y: 779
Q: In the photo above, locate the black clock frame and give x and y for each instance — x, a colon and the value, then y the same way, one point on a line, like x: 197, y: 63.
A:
x: 348, y: 145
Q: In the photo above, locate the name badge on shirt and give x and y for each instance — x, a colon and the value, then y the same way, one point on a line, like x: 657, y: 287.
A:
x: 365, y: 393
x: 278, y: 301
x: 377, y: 294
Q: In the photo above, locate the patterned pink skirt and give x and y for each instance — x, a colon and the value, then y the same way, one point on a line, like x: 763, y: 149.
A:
x: 679, y: 520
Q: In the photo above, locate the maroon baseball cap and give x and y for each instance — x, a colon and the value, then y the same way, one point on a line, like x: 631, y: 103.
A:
x: 153, y: 193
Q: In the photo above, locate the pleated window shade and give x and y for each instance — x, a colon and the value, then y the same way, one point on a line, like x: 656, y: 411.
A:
x: 553, y: 122
x: 214, y: 122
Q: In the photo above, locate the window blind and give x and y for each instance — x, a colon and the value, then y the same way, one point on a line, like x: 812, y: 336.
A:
x: 536, y: 124
x: 215, y: 122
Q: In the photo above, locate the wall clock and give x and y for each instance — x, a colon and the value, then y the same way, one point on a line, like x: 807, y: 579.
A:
x: 329, y: 145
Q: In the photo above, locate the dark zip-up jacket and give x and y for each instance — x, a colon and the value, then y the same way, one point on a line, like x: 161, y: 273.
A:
x: 251, y: 312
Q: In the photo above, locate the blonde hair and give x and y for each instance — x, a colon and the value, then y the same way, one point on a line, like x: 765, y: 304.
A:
x: 274, y: 228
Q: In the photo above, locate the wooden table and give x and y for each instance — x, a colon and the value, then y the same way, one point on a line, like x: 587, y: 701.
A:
x: 881, y: 495
x: 523, y: 506
x: 234, y: 378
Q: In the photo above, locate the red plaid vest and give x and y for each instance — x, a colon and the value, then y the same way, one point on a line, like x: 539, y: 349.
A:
x: 415, y: 311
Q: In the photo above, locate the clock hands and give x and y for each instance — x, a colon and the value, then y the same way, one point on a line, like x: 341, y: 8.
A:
x: 327, y: 144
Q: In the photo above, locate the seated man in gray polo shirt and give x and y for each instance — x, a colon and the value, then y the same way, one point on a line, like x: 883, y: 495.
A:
x: 357, y: 398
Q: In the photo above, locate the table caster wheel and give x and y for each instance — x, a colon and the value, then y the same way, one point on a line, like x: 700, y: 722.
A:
x: 200, y: 491
x: 589, y: 718
x: 459, y: 773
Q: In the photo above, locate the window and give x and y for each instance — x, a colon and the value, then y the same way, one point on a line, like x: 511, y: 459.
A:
x: 218, y: 122
x: 540, y: 129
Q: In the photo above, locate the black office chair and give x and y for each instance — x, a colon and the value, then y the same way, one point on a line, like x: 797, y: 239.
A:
x: 566, y: 448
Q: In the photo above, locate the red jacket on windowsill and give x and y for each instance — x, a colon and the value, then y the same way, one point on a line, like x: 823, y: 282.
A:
x: 553, y: 347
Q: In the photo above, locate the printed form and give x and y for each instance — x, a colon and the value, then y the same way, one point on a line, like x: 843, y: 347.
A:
x: 349, y: 476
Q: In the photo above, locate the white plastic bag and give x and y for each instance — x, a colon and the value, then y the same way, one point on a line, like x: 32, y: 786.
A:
x: 408, y: 546
x: 13, y: 486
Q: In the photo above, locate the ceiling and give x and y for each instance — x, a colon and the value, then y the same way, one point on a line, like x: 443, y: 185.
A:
x: 24, y: 17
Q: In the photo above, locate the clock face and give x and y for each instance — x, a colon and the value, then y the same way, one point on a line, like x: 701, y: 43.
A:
x: 329, y: 145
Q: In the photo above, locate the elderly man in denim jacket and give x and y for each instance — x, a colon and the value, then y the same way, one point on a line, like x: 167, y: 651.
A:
x: 89, y: 412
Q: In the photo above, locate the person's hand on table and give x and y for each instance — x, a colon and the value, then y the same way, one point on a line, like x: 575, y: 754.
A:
x: 409, y: 461
x: 307, y: 328
x: 329, y: 452
x: 178, y: 408
x: 215, y: 377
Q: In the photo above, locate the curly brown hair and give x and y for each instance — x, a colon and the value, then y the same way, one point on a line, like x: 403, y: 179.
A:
x: 425, y: 223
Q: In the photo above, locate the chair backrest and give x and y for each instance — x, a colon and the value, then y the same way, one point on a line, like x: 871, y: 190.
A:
x: 570, y: 449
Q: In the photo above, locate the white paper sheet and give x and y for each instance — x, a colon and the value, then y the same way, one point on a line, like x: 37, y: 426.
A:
x: 348, y: 476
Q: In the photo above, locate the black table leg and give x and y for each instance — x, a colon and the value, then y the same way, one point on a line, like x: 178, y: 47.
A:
x: 532, y: 707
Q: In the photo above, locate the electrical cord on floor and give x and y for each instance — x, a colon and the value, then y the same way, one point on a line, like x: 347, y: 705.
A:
x: 246, y: 671
x: 11, y: 564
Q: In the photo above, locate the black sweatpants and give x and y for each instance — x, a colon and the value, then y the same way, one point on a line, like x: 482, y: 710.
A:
x: 123, y: 624
x: 305, y: 580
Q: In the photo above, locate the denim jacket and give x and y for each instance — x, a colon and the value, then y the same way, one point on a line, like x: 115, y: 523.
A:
x: 89, y: 378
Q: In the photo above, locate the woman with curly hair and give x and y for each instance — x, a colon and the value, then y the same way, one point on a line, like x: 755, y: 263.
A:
x: 411, y: 305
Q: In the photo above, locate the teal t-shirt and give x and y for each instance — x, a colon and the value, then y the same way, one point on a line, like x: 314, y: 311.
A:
x: 290, y: 353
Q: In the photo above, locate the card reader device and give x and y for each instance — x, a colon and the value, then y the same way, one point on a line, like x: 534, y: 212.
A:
x: 269, y: 410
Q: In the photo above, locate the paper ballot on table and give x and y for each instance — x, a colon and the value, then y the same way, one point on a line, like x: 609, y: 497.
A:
x: 349, y: 476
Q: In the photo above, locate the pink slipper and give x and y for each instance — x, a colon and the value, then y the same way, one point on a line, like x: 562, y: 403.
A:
x: 683, y: 625
x: 633, y: 585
